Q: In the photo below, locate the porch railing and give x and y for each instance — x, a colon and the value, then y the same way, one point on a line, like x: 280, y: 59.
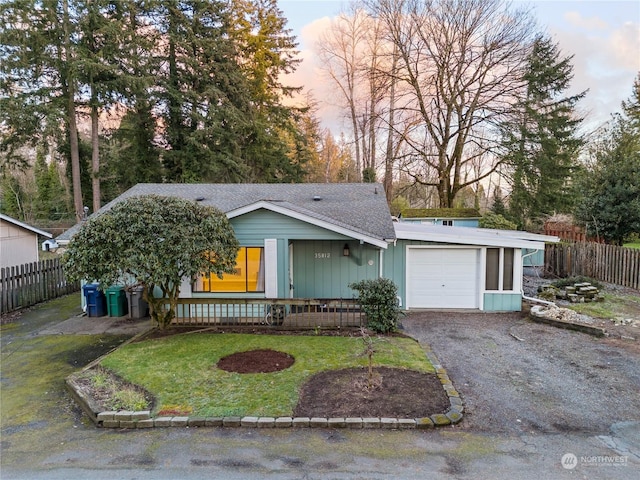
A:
x: 282, y: 312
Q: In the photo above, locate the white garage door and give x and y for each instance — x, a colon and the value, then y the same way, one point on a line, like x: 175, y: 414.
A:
x: 442, y: 277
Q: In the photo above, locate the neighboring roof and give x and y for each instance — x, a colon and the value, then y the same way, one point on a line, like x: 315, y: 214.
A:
x: 356, y: 209
x: 18, y: 223
x: 472, y: 236
x: 441, y: 213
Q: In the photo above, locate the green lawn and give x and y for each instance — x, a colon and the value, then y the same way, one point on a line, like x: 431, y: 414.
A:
x: 180, y: 371
x: 632, y: 245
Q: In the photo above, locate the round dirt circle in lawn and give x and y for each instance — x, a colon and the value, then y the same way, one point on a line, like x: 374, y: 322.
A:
x: 256, y: 361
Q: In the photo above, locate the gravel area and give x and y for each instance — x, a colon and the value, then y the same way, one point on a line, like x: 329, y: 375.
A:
x: 516, y: 376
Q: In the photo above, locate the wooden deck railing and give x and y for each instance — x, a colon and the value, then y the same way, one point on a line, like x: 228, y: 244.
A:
x: 282, y: 312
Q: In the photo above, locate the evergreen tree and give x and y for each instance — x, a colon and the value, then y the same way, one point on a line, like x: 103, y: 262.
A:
x: 610, y: 206
x: 542, y: 144
x: 267, y: 50
x: 202, y: 95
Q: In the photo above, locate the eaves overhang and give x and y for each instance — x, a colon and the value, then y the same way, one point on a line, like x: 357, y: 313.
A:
x: 310, y: 219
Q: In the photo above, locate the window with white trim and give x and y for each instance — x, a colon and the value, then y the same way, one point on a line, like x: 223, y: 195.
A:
x: 499, y: 269
x: 247, y: 277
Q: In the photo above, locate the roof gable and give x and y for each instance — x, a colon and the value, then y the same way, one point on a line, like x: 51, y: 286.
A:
x: 18, y: 223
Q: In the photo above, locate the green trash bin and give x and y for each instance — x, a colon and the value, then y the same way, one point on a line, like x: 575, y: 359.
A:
x: 116, y: 301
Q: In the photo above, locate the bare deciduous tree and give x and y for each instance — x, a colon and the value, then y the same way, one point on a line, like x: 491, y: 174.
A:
x: 462, y: 62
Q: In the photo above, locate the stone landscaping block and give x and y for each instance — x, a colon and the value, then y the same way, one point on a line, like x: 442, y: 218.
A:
x: 573, y: 298
x: 456, y: 408
x: 197, y: 422
x: 454, y: 416
x: 371, y: 422
x: 445, y: 381
x: 283, y: 422
x: 318, y: 422
x: 424, y: 423
x: 451, y: 391
x: 386, y: 422
x: 353, y: 422
x: 148, y: 423
x: 213, y: 422
x: 127, y: 424
x: 455, y: 400
x: 123, y: 415
x: 301, y: 422
x: 440, y: 419
x: 102, y: 416
x: 142, y: 415
x: 231, y: 421
x: 249, y: 421
x: 406, y: 423
x: 162, y: 421
x: 179, y: 421
x: 336, y: 423
x: 266, y: 422
x: 111, y: 423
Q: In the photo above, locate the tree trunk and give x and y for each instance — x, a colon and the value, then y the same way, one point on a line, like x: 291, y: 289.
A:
x: 95, y: 155
x: 71, y: 118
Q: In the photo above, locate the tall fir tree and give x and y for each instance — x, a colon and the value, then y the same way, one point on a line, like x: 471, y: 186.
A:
x: 542, y: 142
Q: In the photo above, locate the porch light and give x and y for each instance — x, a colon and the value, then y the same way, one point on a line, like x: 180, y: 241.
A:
x: 345, y: 251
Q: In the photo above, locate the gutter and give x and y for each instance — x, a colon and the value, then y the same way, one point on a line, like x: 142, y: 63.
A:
x: 532, y: 299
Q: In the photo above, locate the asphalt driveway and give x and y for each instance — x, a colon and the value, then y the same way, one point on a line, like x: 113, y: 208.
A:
x: 517, y: 376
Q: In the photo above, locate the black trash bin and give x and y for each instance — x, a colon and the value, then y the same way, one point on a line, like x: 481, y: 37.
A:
x: 96, y: 301
x: 138, y: 307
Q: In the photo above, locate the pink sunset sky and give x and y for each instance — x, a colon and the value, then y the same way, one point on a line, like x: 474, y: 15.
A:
x: 603, y: 37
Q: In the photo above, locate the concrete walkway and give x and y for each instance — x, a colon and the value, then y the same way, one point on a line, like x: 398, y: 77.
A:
x: 83, y: 325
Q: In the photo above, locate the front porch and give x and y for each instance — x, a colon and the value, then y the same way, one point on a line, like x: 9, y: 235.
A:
x: 282, y: 312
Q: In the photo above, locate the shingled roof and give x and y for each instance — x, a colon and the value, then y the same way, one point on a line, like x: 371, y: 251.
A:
x: 357, y: 207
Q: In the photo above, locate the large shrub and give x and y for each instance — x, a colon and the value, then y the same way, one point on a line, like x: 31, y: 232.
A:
x: 379, y: 301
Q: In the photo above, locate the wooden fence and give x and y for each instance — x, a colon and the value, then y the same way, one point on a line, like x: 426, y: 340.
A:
x: 25, y: 285
x: 607, y: 263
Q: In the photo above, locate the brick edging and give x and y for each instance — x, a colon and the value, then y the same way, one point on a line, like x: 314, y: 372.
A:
x: 143, y: 419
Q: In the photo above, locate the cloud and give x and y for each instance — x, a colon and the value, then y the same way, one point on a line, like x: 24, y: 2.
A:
x: 606, y: 60
x: 577, y: 20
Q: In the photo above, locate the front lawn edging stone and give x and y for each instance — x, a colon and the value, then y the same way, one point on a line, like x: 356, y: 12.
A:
x: 143, y: 419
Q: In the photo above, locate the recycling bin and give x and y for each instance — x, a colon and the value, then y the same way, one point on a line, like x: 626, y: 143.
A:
x: 95, y: 300
x: 137, y: 305
x: 116, y: 301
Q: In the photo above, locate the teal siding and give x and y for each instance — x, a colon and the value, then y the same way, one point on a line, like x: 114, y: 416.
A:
x: 253, y: 227
x: 535, y: 260
x: 502, y: 302
x: 457, y: 222
x: 321, y: 271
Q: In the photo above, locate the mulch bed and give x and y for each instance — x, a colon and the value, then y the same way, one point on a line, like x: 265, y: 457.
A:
x: 256, y: 361
x: 395, y: 393
x: 351, y: 392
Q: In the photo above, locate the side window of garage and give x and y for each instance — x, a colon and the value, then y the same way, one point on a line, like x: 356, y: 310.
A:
x: 499, y: 269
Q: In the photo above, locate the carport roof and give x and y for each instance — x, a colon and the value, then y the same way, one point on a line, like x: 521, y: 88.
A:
x: 471, y: 236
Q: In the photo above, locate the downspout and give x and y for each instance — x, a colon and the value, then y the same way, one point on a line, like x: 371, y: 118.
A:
x: 532, y: 299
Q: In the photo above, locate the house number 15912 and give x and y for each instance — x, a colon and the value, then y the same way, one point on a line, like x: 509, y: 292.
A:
x: 322, y: 255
